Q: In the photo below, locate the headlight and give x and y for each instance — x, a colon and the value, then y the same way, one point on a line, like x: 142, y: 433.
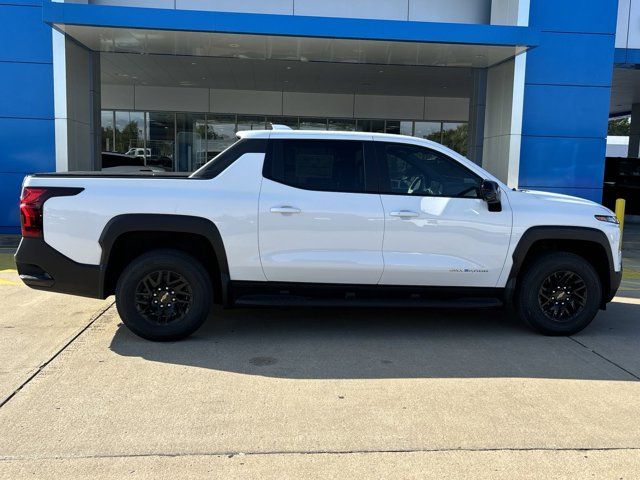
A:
x: 607, y: 218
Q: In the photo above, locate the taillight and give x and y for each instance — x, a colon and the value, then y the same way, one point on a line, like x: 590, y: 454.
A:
x: 31, y: 203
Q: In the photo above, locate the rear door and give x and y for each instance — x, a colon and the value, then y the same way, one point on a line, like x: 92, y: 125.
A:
x: 320, y: 216
x: 438, y: 232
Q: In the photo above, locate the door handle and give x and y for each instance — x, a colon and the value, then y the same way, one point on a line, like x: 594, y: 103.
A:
x: 285, y: 209
x: 404, y: 214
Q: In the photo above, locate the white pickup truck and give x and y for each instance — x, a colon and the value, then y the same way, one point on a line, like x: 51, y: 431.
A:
x: 318, y: 218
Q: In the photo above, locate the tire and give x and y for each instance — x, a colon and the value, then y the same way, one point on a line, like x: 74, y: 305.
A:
x: 148, y: 304
x: 556, y: 307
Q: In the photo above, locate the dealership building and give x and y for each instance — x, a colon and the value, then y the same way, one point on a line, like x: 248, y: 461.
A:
x: 523, y: 87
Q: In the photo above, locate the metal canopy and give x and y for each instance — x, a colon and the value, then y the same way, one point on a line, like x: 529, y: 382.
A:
x: 284, y: 75
x: 287, y: 37
x: 305, y: 49
x: 625, y: 90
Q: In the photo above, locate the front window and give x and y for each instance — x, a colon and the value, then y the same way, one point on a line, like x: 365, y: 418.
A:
x: 414, y: 170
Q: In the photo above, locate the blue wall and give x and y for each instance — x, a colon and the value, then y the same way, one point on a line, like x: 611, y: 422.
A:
x: 26, y: 108
x: 566, y: 98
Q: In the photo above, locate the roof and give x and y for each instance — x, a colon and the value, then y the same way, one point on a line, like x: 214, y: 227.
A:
x: 332, y: 134
x: 345, y: 135
x: 364, y: 136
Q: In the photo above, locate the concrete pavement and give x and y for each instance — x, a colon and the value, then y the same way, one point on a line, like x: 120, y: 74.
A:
x: 459, y: 465
x: 316, y: 393
x: 34, y: 326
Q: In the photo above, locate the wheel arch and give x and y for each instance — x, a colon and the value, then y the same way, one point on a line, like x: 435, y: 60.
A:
x: 590, y: 243
x: 196, y: 236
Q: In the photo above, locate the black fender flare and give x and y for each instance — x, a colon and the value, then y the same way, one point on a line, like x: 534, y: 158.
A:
x: 551, y: 232
x: 150, y: 222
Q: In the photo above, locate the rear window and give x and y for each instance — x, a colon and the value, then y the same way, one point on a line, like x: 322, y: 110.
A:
x: 224, y: 159
x: 325, y: 165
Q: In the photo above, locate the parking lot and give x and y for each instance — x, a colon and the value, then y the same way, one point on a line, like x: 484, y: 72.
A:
x: 295, y: 393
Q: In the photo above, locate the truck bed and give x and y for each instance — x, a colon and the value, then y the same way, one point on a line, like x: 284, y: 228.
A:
x: 94, y: 174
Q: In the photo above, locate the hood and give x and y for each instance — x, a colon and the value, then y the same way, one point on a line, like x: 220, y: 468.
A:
x: 556, y: 203
x: 560, y: 198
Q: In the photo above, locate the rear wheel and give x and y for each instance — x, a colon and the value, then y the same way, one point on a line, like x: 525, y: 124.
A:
x: 559, y: 294
x: 164, y: 295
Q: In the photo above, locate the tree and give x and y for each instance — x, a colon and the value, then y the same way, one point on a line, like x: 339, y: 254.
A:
x: 201, y: 130
x: 620, y: 127
x: 127, y: 137
x: 456, y: 139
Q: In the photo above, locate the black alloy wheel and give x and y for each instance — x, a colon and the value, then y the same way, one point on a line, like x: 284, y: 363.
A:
x: 559, y: 293
x: 562, y: 295
x: 163, y: 296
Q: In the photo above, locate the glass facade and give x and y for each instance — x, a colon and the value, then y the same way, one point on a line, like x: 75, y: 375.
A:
x: 129, y: 131
x: 221, y: 132
x: 190, y: 141
x: 160, y: 139
x: 313, y: 124
x: 340, y: 124
x: 106, y: 122
x: 454, y: 136
x: 185, y: 141
x: 428, y: 130
x: 375, y: 126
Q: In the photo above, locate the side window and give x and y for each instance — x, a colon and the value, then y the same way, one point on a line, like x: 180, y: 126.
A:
x: 327, y: 165
x: 414, y: 170
x: 224, y: 159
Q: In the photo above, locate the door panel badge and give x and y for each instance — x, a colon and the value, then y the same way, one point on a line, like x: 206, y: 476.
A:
x: 468, y: 270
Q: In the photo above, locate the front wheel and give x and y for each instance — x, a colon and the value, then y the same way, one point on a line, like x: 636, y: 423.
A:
x: 559, y: 294
x: 164, y: 295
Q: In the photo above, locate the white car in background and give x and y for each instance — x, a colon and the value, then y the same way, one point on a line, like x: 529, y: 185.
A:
x: 138, y: 152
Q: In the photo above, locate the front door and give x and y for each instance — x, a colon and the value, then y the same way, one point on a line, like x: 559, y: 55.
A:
x: 317, y: 223
x: 438, y: 232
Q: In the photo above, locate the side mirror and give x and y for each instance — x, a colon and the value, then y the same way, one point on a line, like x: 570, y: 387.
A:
x: 490, y: 193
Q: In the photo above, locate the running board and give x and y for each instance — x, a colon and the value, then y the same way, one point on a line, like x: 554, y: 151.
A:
x: 298, y: 301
